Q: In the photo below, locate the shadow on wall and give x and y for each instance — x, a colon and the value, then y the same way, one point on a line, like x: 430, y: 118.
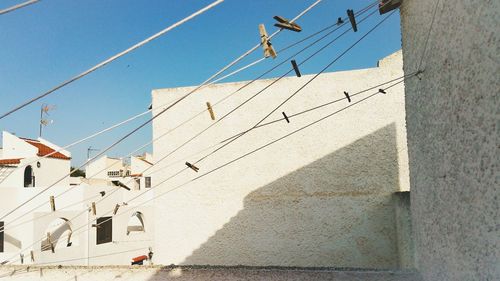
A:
x: 335, y: 212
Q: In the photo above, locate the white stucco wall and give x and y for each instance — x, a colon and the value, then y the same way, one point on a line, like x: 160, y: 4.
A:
x: 33, y: 226
x: 453, y: 136
x: 319, y: 198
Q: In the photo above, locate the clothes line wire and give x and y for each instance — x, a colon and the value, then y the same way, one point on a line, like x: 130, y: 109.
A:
x: 162, y: 111
x: 18, y: 6
x: 139, y: 195
x: 114, y: 57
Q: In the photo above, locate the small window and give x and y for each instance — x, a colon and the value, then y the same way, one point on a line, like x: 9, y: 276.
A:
x: 148, y: 182
x: 1, y: 236
x: 104, y: 230
x: 29, y: 177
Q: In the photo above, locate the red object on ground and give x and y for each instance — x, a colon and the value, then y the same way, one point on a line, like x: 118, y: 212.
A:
x: 140, y: 258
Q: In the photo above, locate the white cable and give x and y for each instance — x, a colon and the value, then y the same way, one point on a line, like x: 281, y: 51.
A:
x: 18, y: 6
x: 170, y: 106
x: 93, y: 69
x: 103, y: 63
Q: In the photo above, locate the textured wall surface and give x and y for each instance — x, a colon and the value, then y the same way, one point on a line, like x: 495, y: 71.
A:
x: 453, y: 137
x: 321, y: 197
x: 140, y: 273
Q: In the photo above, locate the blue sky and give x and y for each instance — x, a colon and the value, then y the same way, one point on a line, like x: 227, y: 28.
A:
x: 53, y: 40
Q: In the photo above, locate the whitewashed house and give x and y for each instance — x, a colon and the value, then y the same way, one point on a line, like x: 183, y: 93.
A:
x: 22, y: 152
x: 117, y: 172
x: 72, y: 233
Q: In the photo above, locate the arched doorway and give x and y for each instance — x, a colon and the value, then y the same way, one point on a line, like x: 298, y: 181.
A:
x: 29, y: 177
x: 136, y: 223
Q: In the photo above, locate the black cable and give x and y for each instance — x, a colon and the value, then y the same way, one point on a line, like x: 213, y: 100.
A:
x: 269, y: 85
x: 303, y: 86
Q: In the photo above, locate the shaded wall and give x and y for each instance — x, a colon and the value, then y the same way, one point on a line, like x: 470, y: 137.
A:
x: 453, y: 137
x: 321, y: 197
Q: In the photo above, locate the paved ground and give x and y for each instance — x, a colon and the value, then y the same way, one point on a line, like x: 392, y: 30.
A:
x: 187, y: 273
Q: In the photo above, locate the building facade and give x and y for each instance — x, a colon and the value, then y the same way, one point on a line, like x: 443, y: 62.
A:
x: 325, y: 196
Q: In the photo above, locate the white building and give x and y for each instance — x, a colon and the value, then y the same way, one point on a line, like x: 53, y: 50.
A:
x: 72, y: 234
x: 21, y: 152
x: 329, y: 195
x: 116, y: 171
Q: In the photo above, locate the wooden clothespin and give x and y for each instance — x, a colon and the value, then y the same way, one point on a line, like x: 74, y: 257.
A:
x: 286, y: 117
x: 102, y: 193
x: 32, y: 255
x: 352, y: 19
x: 211, y: 111
x: 50, y: 243
x: 94, y: 209
x: 296, y: 68
x: 69, y: 243
x: 286, y: 24
x: 116, y: 209
x: 96, y: 226
x: 22, y: 258
x: 347, y: 96
x: 382, y: 91
x: 193, y: 167
x: 340, y: 21
x: 266, y: 44
x: 52, y: 204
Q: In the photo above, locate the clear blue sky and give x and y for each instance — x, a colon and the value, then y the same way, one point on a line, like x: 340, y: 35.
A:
x: 53, y: 40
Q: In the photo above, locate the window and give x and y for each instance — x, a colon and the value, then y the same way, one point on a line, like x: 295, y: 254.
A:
x: 148, y: 182
x: 1, y: 236
x: 113, y: 173
x: 29, y: 177
x: 104, y: 230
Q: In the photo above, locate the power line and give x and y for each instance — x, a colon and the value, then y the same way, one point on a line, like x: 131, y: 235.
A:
x: 162, y: 111
x: 272, y: 83
x: 303, y: 86
x: 346, y: 51
x: 103, y: 63
x: 253, y: 151
x: 428, y: 35
x: 290, y: 116
x: 18, y: 6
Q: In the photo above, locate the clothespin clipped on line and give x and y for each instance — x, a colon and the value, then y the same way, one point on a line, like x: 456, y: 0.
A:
x: 93, y: 209
x: 347, y: 96
x: 50, y: 242
x: 102, y: 193
x: 32, y: 254
x: 193, y: 167
x: 382, y: 91
x: 266, y: 44
x: 286, y: 117
x: 96, y: 226
x: 352, y: 19
x: 296, y: 68
x: 340, y: 21
x: 210, y: 110
x: 286, y: 24
x: 115, y: 211
x: 52, y: 204
x: 69, y: 243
